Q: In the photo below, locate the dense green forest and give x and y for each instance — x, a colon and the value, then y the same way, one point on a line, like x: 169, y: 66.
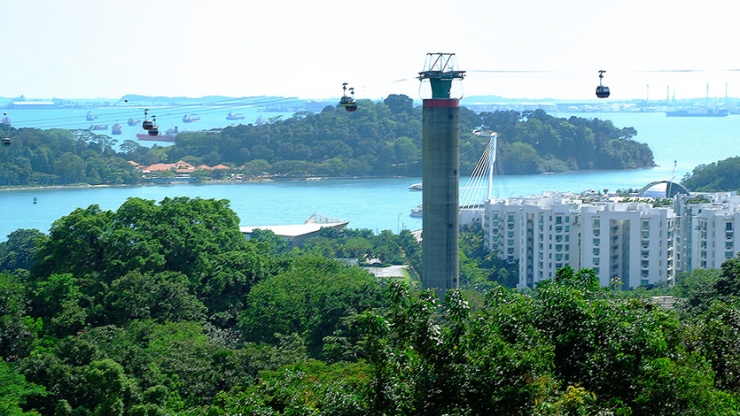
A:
x: 164, y: 308
x: 62, y: 157
x: 379, y: 139
x: 723, y: 175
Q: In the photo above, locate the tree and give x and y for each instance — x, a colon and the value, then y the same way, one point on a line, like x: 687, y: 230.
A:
x: 14, y: 389
x: 17, y: 329
x: 308, y: 299
x: 21, y: 248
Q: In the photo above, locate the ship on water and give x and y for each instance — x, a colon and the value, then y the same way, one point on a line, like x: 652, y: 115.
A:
x: 699, y: 112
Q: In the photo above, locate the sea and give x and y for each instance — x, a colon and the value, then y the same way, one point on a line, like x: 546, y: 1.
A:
x: 678, y: 144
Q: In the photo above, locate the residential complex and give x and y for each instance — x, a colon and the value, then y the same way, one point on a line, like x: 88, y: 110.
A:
x: 641, y: 239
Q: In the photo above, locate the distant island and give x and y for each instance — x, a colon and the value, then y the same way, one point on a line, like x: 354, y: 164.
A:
x: 477, y: 103
x: 380, y: 139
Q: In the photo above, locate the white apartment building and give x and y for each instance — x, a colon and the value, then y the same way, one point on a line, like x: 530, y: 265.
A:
x: 617, y: 237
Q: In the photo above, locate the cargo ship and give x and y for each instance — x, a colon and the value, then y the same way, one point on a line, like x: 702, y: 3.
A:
x: 705, y: 112
x: 190, y: 118
x: 234, y: 116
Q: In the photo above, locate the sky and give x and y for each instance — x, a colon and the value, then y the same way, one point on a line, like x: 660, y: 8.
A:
x: 536, y: 49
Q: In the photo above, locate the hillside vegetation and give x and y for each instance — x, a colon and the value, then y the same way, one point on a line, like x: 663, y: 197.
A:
x: 379, y: 139
x: 715, y: 177
x: 166, y: 309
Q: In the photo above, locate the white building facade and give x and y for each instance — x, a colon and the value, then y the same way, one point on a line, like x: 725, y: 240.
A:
x: 629, y: 239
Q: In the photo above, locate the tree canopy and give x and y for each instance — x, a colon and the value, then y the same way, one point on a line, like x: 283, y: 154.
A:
x: 165, y: 308
x: 720, y: 176
x: 379, y: 139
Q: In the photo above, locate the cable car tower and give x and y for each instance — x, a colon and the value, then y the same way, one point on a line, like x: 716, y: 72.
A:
x: 441, y: 175
x: 348, y: 102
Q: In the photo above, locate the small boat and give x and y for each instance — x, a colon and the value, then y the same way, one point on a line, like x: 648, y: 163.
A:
x: 34, y: 200
x: 416, y: 212
x: 116, y: 129
x: 132, y: 122
x: 90, y: 116
x: 98, y: 127
x: 234, y: 116
x: 190, y: 118
x: 415, y: 187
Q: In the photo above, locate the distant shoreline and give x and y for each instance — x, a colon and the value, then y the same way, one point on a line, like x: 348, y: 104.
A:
x: 207, y: 182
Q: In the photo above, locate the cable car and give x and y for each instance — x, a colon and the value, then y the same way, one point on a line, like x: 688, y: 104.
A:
x: 147, y: 124
x: 348, y: 102
x: 6, y: 120
x: 154, y: 130
x: 602, y: 91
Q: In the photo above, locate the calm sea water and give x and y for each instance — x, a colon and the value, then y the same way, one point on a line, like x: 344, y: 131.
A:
x: 385, y: 204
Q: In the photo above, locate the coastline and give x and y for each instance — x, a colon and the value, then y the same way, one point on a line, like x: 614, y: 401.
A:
x: 205, y: 182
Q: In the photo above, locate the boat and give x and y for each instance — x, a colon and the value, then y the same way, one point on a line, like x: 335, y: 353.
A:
x: 168, y: 136
x: 416, y: 212
x: 132, y: 122
x: 116, y: 129
x: 98, y: 127
x: 704, y: 112
x: 90, y: 116
x: 234, y: 116
x: 415, y: 187
x: 190, y: 118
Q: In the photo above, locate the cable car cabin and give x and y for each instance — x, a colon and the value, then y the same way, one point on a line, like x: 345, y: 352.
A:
x: 154, y: 131
x: 602, y: 91
x: 147, y: 124
x: 6, y: 141
x: 351, y: 107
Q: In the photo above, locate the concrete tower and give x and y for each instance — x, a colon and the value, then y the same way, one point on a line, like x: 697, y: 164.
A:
x: 441, y: 176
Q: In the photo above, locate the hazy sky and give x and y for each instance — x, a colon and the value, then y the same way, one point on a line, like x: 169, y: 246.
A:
x: 109, y: 48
